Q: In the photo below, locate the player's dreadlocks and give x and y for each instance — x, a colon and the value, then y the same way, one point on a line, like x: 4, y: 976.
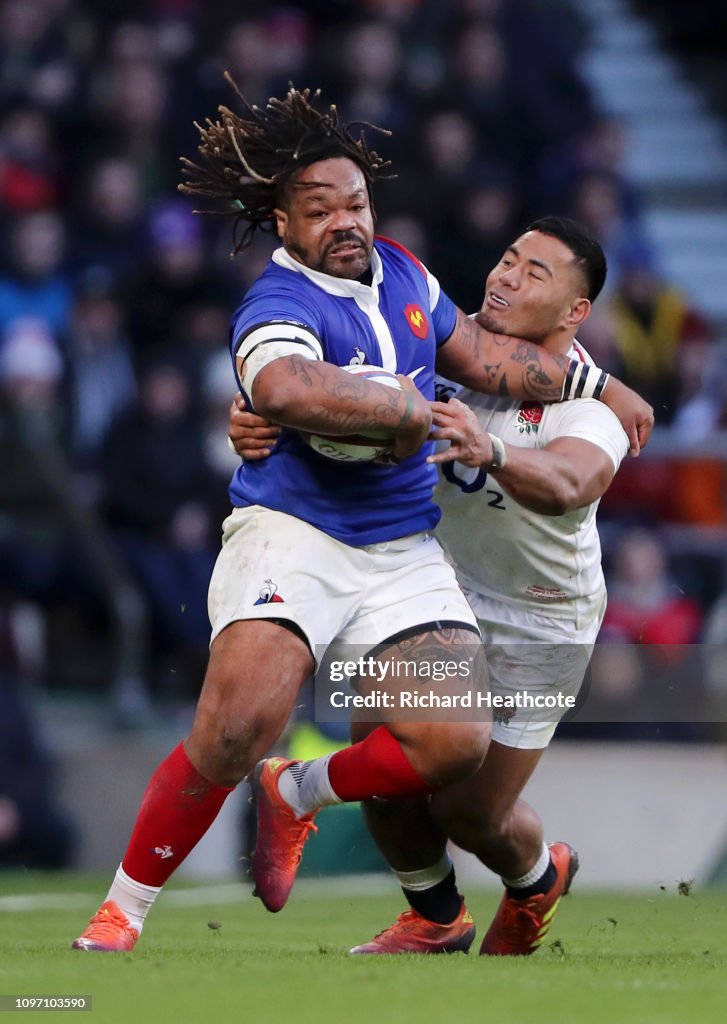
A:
x: 248, y: 161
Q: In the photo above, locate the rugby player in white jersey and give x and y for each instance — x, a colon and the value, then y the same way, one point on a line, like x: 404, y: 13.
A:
x: 519, y: 490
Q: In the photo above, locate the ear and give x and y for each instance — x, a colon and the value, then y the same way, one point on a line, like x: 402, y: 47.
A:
x: 578, y: 312
x: 281, y: 222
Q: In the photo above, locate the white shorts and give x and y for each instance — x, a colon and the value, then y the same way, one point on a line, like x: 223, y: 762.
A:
x: 536, y: 654
x: 273, y: 565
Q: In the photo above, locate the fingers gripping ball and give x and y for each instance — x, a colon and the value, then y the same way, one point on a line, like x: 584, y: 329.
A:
x: 364, y: 447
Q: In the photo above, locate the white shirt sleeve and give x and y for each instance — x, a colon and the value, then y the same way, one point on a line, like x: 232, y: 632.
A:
x: 592, y: 421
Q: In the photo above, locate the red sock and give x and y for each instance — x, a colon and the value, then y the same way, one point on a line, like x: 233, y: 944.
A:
x: 375, y: 767
x: 178, y: 807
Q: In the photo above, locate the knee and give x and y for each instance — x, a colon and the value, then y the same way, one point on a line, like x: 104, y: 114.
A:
x: 225, y: 743
x: 456, y: 752
x: 471, y: 826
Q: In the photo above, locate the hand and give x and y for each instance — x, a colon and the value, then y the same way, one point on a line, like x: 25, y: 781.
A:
x: 636, y: 415
x: 251, y: 436
x: 469, y: 443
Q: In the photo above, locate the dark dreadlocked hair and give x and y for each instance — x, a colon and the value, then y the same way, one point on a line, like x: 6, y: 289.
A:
x: 247, y: 162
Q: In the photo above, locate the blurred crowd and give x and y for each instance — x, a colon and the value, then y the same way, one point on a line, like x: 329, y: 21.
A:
x: 115, y: 298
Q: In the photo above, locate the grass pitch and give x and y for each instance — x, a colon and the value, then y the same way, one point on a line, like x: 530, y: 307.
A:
x: 657, y: 957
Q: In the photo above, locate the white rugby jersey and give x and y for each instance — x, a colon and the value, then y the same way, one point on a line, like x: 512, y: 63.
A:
x: 549, y: 564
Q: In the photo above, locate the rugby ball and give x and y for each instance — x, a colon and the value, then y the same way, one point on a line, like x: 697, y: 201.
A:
x: 366, y: 447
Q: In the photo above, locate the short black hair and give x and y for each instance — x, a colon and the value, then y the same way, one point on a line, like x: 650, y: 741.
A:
x: 584, y: 245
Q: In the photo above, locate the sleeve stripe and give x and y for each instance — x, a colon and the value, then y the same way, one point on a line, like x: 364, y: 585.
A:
x: 290, y: 332
x: 434, y: 291
x: 244, y: 356
x: 580, y: 385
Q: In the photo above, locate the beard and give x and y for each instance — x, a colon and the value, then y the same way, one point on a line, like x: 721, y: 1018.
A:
x: 352, y: 267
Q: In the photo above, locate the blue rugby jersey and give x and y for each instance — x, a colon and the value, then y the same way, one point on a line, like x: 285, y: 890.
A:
x: 396, y: 322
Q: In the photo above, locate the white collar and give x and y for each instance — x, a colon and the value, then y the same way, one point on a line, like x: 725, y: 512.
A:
x: 334, y: 285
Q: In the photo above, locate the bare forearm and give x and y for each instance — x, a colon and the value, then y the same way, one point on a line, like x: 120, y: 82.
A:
x: 568, y: 474
x: 319, y: 397
x: 500, y: 365
x: 543, y: 482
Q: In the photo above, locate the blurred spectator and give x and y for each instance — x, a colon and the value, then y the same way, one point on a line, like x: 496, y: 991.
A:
x: 35, y: 832
x: 645, y: 606
x: 449, y: 151
x: 596, y: 201
x: 34, y: 283
x: 480, y: 84
x: 174, y: 277
x: 645, y: 670
x: 368, y: 59
x: 38, y: 555
x: 108, y: 222
x: 42, y: 46
x: 598, y: 149
x: 485, y: 222
x: 706, y: 411
x: 101, y: 381
x: 30, y: 176
x: 161, y: 502
x: 664, y: 343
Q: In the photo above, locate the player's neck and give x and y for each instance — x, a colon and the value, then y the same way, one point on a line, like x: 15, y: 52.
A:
x: 559, y: 344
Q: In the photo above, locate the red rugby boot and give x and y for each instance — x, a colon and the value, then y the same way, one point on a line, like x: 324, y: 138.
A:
x: 412, y: 933
x: 281, y: 836
x: 520, y: 926
x: 108, y: 931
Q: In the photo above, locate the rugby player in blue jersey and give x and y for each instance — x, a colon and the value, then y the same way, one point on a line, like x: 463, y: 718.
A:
x: 313, y: 551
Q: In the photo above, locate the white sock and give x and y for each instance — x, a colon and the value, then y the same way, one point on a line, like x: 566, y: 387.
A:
x: 132, y: 897
x: 425, y: 878
x: 535, y: 873
x: 306, y: 788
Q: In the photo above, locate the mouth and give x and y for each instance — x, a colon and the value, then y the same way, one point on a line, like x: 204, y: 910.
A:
x: 495, y: 301
x: 345, y: 249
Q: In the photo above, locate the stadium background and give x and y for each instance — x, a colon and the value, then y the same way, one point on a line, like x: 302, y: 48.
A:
x: 114, y: 302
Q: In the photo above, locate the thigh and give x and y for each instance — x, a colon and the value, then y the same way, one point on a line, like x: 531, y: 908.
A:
x: 255, y: 671
x: 443, y: 735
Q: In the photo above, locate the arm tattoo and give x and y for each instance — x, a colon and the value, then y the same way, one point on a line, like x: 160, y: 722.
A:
x: 344, y: 415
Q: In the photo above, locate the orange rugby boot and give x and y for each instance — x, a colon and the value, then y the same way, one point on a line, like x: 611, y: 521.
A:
x: 281, y: 836
x: 108, y: 931
x: 412, y: 933
x: 520, y: 926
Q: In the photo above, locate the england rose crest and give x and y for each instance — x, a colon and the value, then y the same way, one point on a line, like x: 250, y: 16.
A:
x: 529, y: 416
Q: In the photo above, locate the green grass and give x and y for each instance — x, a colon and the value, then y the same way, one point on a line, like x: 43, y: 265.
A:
x: 629, y: 959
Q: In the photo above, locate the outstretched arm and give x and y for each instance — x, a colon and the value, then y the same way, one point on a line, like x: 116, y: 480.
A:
x: 566, y: 474
x: 514, y: 368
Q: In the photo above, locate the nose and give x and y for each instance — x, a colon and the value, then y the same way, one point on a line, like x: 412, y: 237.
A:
x: 342, y: 220
x: 510, y: 277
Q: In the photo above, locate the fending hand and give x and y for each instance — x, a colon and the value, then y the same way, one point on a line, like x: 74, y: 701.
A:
x: 469, y: 444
